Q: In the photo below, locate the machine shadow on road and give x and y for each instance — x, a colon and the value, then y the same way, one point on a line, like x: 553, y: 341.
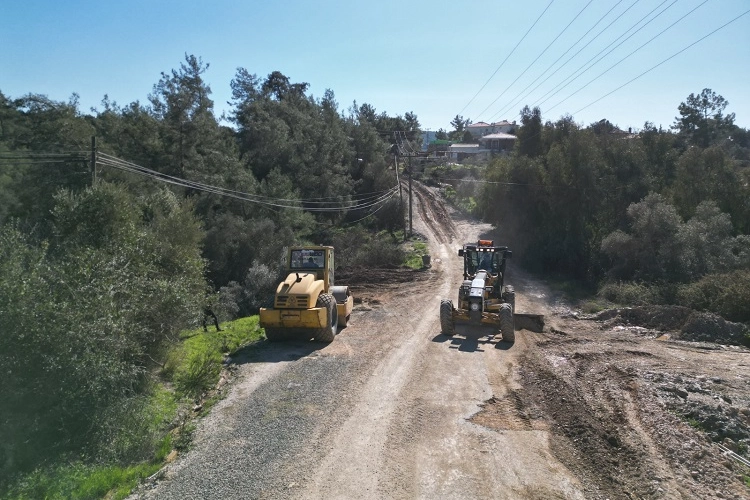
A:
x: 276, y: 352
x: 471, y: 343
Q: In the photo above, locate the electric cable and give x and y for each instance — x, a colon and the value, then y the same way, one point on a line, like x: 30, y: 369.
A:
x: 39, y: 156
x: 36, y: 162
x: 500, y: 183
x: 400, y: 137
x: 17, y: 158
x: 537, y: 58
x: 665, y: 60
x: 627, y: 56
x: 107, y: 160
x: 506, y: 57
x: 294, y: 204
x: 578, y: 73
x: 575, y: 55
x: 612, y: 92
x: 515, y: 101
x: 365, y: 196
x: 372, y: 212
x: 411, y: 147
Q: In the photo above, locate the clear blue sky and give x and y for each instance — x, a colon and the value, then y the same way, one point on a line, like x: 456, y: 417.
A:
x: 428, y: 57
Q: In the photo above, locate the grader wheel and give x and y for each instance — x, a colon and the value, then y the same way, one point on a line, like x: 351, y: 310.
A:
x: 509, y: 296
x: 446, y: 318
x: 507, y: 328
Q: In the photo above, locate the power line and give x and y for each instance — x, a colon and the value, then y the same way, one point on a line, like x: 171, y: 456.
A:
x: 372, y: 212
x: 537, y: 58
x: 39, y: 156
x: 500, y: 183
x: 665, y: 60
x: 631, y: 81
x: 292, y: 204
x: 18, y: 158
x: 515, y: 101
x: 627, y: 56
x: 582, y: 48
x: 402, y: 144
x: 37, y: 162
x: 399, y: 145
x: 578, y: 73
x: 506, y: 57
x: 364, y: 203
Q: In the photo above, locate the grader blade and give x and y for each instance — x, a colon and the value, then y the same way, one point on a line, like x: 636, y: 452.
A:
x: 528, y: 321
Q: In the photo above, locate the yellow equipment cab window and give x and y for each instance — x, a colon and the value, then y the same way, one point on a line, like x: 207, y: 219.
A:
x: 307, y: 259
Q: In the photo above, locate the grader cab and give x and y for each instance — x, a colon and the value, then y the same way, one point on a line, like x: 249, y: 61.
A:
x: 307, y: 304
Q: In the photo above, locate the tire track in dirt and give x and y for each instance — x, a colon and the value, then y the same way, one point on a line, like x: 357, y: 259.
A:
x: 434, y: 214
x: 357, y: 450
x: 610, y: 428
x: 360, y: 447
x: 435, y: 449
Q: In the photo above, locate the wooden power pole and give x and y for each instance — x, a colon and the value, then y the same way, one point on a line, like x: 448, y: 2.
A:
x: 93, y: 160
x: 411, y: 229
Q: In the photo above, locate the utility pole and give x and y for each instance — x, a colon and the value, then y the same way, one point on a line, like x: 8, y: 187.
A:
x: 411, y: 229
x: 400, y: 194
x: 93, y: 160
x: 409, y: 155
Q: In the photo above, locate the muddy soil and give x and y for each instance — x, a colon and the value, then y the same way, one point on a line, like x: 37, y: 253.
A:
x: 635, y: 414
x: 593, y: 407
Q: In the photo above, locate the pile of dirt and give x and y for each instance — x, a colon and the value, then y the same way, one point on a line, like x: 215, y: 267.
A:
x: 684, y: 323
x: 360, y: 276
x: 662, y: 318
x: 707, y: 327
x: 709, y: 404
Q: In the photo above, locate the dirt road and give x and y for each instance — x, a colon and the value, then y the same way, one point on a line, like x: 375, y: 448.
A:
x: 394, y: 409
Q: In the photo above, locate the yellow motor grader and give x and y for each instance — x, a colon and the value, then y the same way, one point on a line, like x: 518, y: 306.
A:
x: 307, y: 304
x: 483, y: 298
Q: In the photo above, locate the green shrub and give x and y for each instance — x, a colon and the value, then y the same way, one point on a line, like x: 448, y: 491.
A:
x: 632, y: 294
x: 594, y: 305
x: 85, y: 316
x: 414, y: 254
x: 195, y: 365
x: 198, y: 372
x: 133, y: 428
x: 258, y: 288
x: 462, y: 198
x: 358, y: 248
x: 380, y: 253
x: 726, y: 294
x: 81, y: 481
x: 391, y: 215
